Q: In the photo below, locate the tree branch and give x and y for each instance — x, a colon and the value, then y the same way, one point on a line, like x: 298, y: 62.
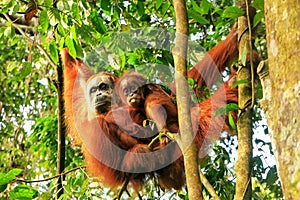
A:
x: 208, y: 186
x: 50, y: 178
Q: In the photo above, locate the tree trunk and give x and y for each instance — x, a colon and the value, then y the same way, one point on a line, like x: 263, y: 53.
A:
x: 244, y: 126
x: 185, y: 141
x: 283, y: 113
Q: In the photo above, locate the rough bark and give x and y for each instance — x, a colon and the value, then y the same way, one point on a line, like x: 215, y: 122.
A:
x: 283, y: 113
x: 244, y: 126
x: 185, y: 141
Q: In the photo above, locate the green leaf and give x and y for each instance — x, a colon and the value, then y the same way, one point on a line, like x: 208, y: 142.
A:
x: 53, y: 51
x: 9, y: 31
x: 61, y: 30
x: 193, y: 14
x: 7, y: 8
x: 196, y: 7
x: 106, y: 5
x: 231, y: 121
x: 140, y: 7
x: 61, y: 43
x: 158, y: 4
x: 2, y: 187
x: 272, y: 176
x: 48, y: 3
x: 165, y: 8
x: 191, y: 81
x: 54, y: 16
x: 257, y: 18
x: 259, y: 5
x: 70, y: 44
x: 226, y: 109
x: 10, y: 176
x: 26, y: 69
x: 79, y: 50
x: 205, y: 6
x: 73, y: 32
x: 23, y: 192
x: 232, y: 12
x: 231, y: 107
x: 97, y: 22
x: 44, y: 20
x: 235, y: 84
x: 76, y: 13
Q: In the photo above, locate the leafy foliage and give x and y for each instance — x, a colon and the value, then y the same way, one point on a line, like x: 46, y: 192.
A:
x: 132, y: 35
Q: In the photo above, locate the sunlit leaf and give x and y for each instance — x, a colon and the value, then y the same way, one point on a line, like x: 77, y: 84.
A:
x: 54, y: 16
x: 231, y: 121
x: 61, y: 30
x: 70, y: 44
x: 23, y: 192
x: 73, y: 32
x: 76, y: 13
x: 232, y: 12
x: 44, y: 20
x: 7, y: 7
x: 8, y: 177
x: 8, y: 31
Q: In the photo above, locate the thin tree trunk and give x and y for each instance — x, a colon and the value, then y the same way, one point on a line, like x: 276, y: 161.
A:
x: 283, y: 113
x: 60, y: 133
x: 185, y: 141
x: 244, y: 126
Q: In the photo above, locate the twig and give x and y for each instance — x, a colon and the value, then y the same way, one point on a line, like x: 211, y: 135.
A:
x: 50, y: 178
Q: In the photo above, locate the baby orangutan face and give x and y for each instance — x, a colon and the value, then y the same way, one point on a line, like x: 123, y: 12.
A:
x: 131, y: 91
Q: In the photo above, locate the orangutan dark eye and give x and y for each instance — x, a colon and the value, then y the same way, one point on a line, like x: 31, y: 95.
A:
x: 103, y: 87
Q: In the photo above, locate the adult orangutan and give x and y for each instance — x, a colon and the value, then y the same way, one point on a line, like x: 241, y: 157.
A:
x: 105, y: 146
